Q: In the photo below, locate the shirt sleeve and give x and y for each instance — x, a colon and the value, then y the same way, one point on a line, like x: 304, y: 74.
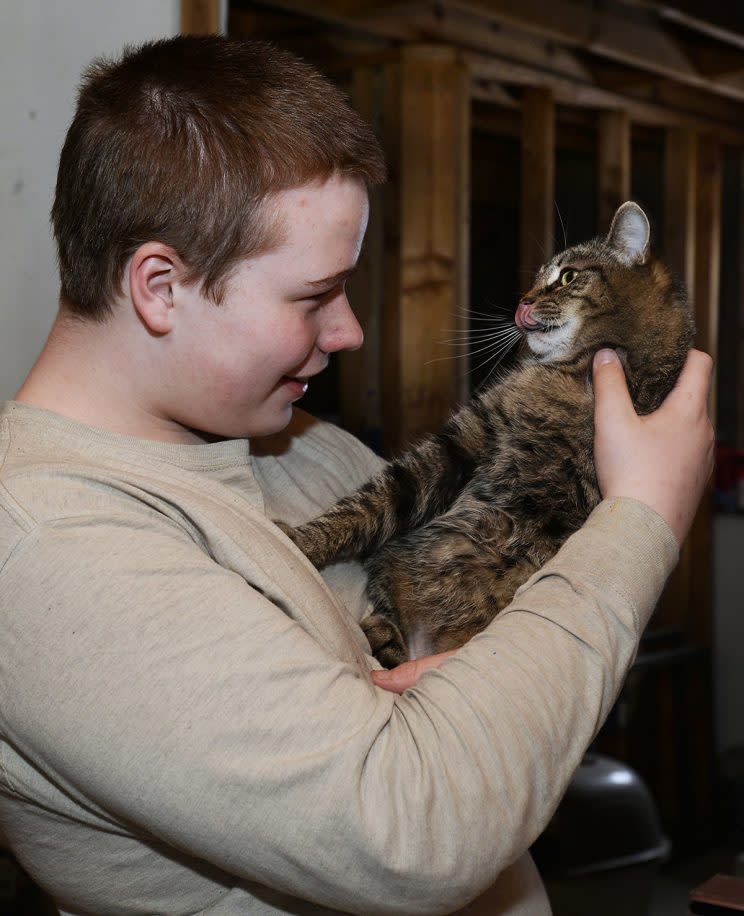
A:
x: 148, y: 681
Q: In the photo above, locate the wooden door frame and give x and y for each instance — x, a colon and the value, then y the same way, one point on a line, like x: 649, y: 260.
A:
x: 203, y: 17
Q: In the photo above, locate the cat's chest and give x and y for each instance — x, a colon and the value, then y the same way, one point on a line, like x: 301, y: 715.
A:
x: 543, y: 467
x: 544, y: 420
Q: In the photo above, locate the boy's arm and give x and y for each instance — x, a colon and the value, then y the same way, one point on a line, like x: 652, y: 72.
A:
x: 192, y: 709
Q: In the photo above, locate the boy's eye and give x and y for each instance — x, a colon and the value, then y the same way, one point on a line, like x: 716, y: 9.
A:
x: 321, y: 298
x: 568, y: 275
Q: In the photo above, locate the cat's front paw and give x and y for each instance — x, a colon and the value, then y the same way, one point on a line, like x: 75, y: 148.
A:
x: 288, y: 529
x: 385, y: 640
x: 299, y: 536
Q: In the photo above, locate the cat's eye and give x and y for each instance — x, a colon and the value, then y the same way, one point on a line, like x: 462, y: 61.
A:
x: 568, y: 275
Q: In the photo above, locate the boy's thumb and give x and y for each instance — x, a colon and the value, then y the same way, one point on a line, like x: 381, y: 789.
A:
x: 610, y: 388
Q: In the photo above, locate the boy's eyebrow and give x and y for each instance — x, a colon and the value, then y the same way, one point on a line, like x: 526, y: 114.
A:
x: 332, y: 280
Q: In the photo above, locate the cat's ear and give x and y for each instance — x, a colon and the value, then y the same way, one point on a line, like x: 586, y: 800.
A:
x: 630, y: 234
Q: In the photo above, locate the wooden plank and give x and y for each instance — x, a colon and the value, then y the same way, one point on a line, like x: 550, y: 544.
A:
x: 719, y: 19
x: 512, y: 56
x: 572, y: 92
x: 707, y: 284
x: 739, y: 325
x: 391, y: 355
x: 429, y: 262
x: 201, y: 17
x: 464, y: 196
x: 708, y: 246
x: 678, y: 248
x: 636, y: 40
x: 614, y: 164
x: 680, y: 197
x: 560, y: 27
x: 360, y: 383
x: 538, y: 182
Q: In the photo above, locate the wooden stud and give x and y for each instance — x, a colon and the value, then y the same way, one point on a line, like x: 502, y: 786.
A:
x: 739, y: 381
x: 201, y: 17
x: 360, y: 381
x: 707, y: 285
x: 680, y: 196
x: 426, y: 255
x: 678, y: 248
x: 614, y: 164
x: 708, y: 246
x: 538, y: 182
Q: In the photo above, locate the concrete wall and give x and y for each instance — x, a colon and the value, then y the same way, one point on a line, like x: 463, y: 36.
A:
x: 44, y: 46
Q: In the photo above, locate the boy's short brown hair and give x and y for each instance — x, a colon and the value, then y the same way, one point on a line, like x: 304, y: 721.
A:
x: 182, y: 141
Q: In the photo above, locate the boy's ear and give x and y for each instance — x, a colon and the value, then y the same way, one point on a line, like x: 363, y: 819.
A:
x: 153, y: 271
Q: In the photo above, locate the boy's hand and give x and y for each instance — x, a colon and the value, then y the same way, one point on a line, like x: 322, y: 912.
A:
x: 406, y: 675
x: 663, y: 459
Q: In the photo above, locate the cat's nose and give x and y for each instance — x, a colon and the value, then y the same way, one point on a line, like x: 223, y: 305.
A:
x: 523, y: 317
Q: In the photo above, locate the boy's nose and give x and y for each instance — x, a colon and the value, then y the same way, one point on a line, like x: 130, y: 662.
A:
x: 343, y: 331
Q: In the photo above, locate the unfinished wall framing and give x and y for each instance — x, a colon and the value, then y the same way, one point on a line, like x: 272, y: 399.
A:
x: 569, y: 99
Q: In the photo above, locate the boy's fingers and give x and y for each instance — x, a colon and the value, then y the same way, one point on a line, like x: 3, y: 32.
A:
x: 611, y: 396
x: 693, y: 385
x: 406, y: 675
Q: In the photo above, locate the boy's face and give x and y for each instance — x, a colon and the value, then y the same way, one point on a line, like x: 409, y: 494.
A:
x: 243, y: 363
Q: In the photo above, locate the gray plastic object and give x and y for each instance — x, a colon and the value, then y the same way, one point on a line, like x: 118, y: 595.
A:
x: 607, y: 820
x: 602, y: 849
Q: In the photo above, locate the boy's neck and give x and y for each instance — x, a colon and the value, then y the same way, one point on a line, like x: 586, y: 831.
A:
x: 85, y: 373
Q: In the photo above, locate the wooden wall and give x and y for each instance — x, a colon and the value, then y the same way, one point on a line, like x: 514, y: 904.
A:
x: 440, y: 111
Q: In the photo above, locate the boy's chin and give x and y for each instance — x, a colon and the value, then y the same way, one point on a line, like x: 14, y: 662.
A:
x: 273, y: 422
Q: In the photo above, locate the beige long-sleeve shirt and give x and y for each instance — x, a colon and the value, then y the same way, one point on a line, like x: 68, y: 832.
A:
x: 187, y: 722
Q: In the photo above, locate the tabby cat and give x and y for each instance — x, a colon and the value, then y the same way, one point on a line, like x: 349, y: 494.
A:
x: 450, y: 529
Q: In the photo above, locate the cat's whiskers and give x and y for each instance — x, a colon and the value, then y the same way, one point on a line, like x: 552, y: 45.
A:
x: 498, y: 350
x: 563, y: 226
x: 498, y: 358
x: 468, y: 340
x: 489, y: 316
x: 501, y: 342
x: 483, y: 334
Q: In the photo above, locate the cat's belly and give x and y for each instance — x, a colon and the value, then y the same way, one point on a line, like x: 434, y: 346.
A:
x: 419, y: 643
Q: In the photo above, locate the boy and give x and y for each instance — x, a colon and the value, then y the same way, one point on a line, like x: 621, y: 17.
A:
x: 187, y: 717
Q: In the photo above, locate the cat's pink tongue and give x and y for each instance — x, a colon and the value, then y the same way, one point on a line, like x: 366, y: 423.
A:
x: 523, y: 316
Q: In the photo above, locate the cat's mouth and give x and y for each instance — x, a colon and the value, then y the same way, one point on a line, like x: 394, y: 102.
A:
x: 545, y: 338
x: 526, y: 319
x: 551, y: 340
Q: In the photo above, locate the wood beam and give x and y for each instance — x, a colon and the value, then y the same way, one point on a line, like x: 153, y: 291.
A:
x: 680, y: 203
x: 426, y: 240
x: 678, y: 247
x: 587, y: 95
x: 360, y: 387
x: 708, y: 245
x: 637, y: 40
x: 720, y: 19
x: 201, y: 17
x: 538, y: 182
x: 614, y: 164
x: 707, y: 285
x: 506, y: 54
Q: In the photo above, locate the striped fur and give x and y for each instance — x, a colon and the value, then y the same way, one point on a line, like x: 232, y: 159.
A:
x: 450, y: 529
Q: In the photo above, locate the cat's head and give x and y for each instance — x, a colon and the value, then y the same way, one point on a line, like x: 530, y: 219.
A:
x: 606, y: 292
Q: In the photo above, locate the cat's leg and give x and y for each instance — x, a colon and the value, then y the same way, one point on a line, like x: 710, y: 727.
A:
x: 385, y: 640
x: 409, y: 492
x: 384, y: 628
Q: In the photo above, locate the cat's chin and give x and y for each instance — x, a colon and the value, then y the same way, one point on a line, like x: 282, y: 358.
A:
x: 554, y: 343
